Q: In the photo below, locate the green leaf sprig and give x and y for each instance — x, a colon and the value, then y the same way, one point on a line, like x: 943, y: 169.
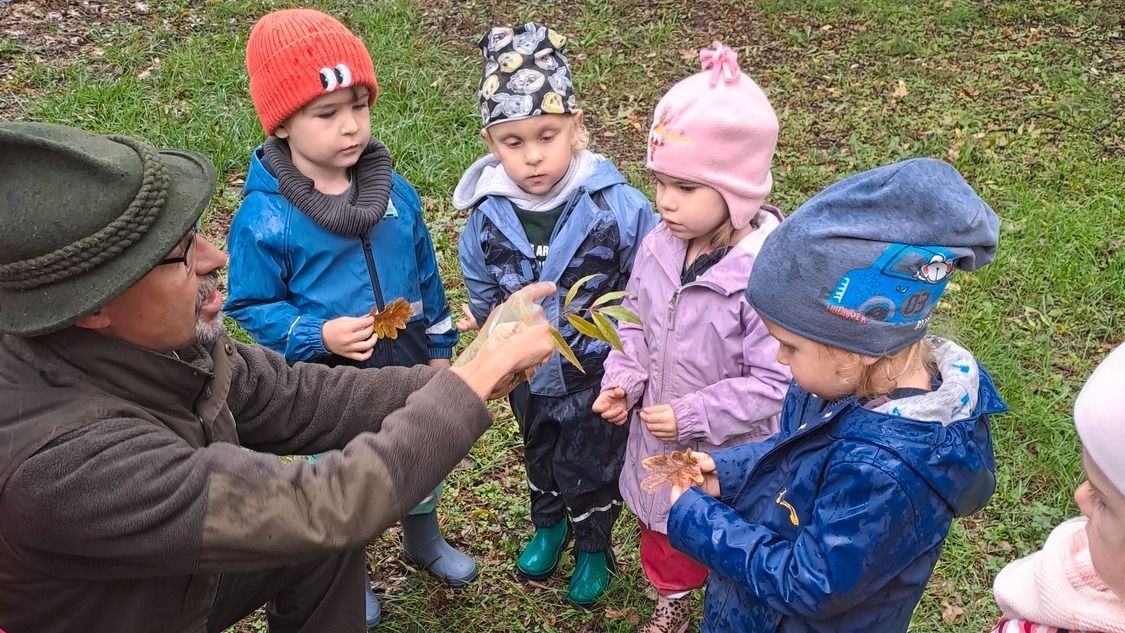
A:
x: 598, y: 326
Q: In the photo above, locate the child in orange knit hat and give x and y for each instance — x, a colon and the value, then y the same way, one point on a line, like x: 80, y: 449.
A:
x: 327, y: 231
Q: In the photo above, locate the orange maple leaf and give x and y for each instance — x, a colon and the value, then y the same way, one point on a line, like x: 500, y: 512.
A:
x: 392, y: 319
x: 678, y: 468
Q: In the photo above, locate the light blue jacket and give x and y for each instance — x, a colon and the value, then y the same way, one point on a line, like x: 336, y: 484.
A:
x: 599, y: 231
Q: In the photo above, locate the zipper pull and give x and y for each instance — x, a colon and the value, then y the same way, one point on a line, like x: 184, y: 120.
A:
x: 672, y: 310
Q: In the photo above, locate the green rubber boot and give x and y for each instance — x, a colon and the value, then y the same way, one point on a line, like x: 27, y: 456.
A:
x: 541, y: 556
x: 590, y: 578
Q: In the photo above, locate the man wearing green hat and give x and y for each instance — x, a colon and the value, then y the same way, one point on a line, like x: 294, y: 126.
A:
x: 127, y: 499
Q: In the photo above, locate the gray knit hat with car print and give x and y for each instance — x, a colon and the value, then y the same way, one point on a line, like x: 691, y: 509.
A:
x: 861, y: 265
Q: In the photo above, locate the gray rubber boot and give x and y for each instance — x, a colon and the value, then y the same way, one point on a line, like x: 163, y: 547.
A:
x: 373, y: 611
x: 425, y: 547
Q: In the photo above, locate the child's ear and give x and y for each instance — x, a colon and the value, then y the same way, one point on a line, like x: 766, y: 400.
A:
x: 581, y: 135
x: 487, y: 138
x: 281, y: 131
x: 869, y: 360
x: 99, y: 320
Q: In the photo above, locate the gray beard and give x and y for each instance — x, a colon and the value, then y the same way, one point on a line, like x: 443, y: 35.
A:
x: 207, y: 333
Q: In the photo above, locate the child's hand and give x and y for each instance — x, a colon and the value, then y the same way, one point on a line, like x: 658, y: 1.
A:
x: 710, y: 479
x: 612, y: 406
x: 467, y: 323
x: 441, y: 363
x: 350, y: 337
x: 661, y: 422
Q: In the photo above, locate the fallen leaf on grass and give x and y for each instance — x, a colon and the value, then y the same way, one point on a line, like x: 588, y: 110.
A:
x: 680, y: 469
x: 951, y: 613
x: 900, y: 89
x: 392, y: 319
x: 627, y: 614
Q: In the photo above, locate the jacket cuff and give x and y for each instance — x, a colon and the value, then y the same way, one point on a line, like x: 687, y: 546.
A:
x: 634, y: 388
x: 305, y: 340
x: 441, y: 353
x: 684, y: 519
x: 732, y: 465
x: 689, y: 425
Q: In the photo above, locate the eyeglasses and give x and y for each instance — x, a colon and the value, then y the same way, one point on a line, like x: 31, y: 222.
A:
x: 183, y: 259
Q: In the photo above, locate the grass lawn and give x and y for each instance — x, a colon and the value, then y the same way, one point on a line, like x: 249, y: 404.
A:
x: 1024, y: 97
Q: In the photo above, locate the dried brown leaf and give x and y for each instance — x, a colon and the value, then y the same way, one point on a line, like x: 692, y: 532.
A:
x: 392, y: 319
x: 951, y: 613
x: 681, y: 469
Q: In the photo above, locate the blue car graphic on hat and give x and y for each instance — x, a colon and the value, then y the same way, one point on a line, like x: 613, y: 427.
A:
x: 902, y: 286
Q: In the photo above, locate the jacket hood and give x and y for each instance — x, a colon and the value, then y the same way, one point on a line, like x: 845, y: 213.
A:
x: 486, y: 177
x: 259, y: 178
x: 955, y: 458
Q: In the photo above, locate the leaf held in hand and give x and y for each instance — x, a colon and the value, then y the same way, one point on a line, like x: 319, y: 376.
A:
x: 621, y: 314
x: 392, y: 319
x: 609, y: 332
x: 573, y: 292
x: 564, y: 349
x: 677, y: 468
x: 585, y: 327
x: 609, y: 296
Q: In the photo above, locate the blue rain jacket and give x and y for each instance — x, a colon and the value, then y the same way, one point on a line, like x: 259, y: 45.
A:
x: 288, y: 275
x: 599, y: 231
x: 835, y: 523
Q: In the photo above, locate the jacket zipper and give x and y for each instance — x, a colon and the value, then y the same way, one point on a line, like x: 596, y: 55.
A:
x: 672, y: 305
x: 371, y: 272
x: 667, y: 336
x: 567, y: 210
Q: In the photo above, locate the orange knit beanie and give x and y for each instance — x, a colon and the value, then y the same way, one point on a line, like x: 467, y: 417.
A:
x: 296, y: 55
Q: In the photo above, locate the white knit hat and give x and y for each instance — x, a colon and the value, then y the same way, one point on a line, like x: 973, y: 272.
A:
x: 1099, y: 414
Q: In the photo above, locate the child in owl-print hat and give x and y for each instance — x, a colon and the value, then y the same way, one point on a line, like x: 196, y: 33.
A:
x: 327, y: 231
x: 543, y: 207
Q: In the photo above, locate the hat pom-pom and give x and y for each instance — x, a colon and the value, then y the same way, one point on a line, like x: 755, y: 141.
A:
x: 722, y: 61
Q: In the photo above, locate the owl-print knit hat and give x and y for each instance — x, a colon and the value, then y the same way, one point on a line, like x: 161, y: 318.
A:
x: 525, y: 74
x: 296, y: 55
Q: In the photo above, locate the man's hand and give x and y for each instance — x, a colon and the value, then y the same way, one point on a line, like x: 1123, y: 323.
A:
x: 710, y: 479
x: 467, y: 323
x: 661, y: 422
x: 510, y: 348
x: 612, y: 406
x: 350, y: 337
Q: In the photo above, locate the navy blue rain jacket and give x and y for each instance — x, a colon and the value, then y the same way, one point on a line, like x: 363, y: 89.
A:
x: 835, y: 523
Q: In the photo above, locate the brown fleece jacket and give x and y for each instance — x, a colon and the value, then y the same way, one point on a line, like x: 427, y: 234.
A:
x: 126, y: 486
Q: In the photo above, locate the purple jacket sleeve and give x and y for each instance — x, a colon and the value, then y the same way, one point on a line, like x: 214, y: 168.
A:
x: 737, y: 406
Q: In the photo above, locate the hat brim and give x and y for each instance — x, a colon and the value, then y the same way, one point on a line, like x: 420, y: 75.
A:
x: 58, y: 305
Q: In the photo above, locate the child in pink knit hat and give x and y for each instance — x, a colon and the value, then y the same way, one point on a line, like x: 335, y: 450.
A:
x: 1076, y: 583
x: 700, y: 371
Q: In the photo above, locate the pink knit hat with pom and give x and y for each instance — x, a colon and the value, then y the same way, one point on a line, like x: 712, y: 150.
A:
x: 1099, y: 415
x: 717, y: 128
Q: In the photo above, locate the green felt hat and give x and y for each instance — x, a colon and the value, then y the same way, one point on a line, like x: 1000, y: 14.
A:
x: 84, y: 216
